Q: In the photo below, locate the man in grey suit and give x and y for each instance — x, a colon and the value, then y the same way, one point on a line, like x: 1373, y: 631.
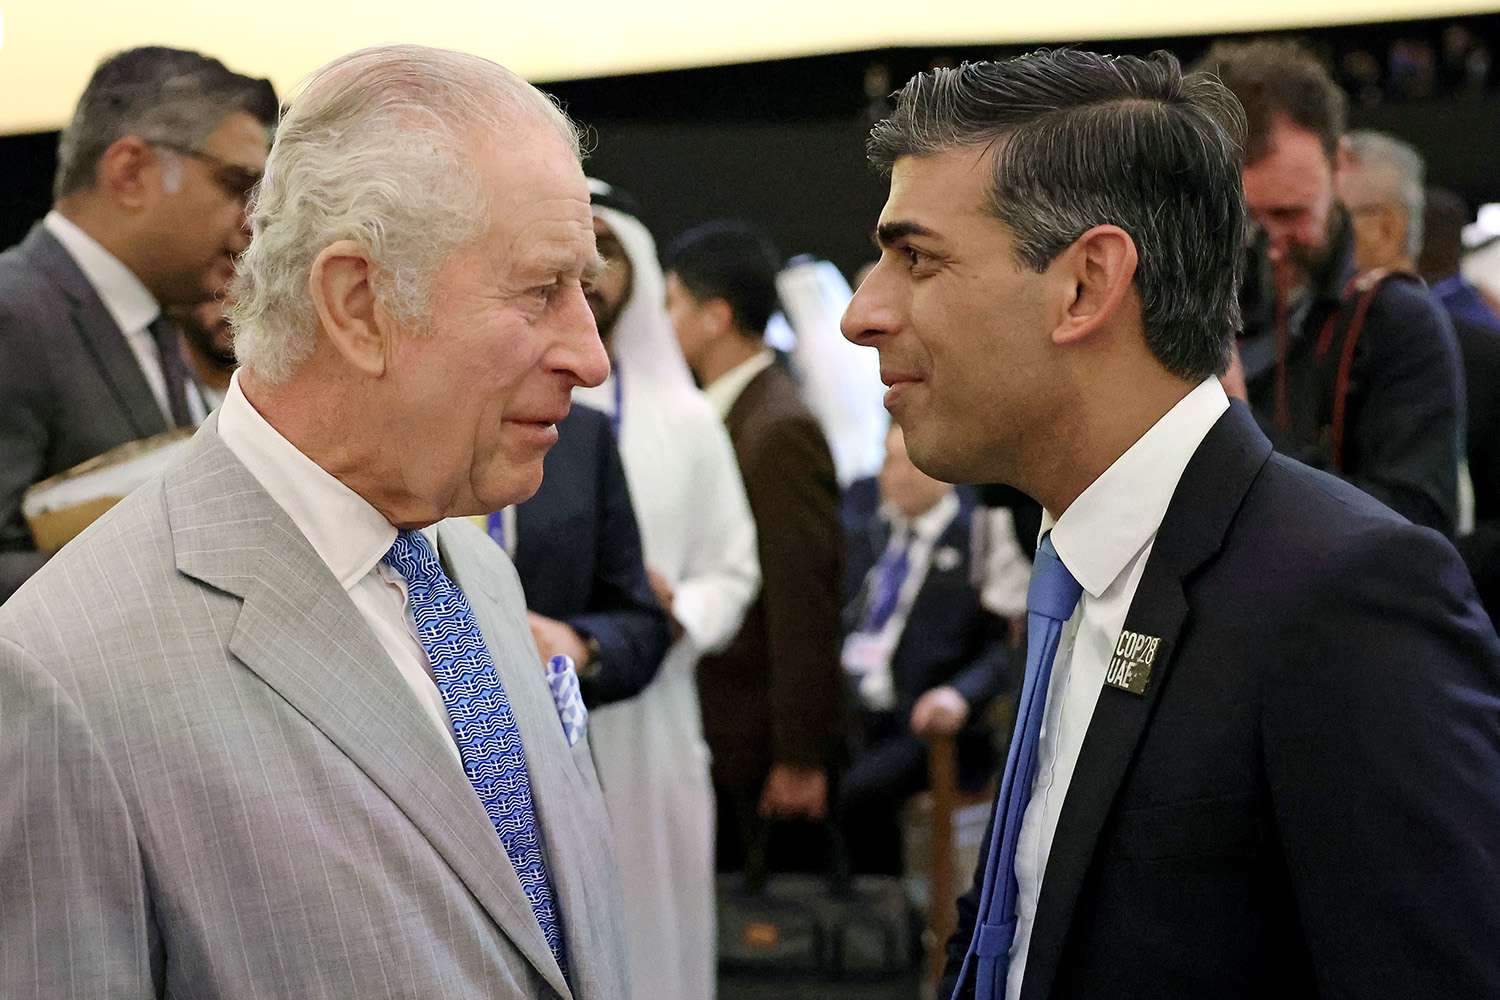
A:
x: 274, y: 725
x: 152, y: 176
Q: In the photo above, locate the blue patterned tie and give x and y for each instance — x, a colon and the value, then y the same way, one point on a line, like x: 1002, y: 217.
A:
x: 484, y: 727
x: 1049, y: 604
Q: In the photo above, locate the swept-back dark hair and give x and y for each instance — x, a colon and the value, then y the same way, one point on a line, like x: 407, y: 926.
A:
x: 1083, y: 140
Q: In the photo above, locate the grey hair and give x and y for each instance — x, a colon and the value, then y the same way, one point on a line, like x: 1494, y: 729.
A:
x: 377, y: 148
x: 1083, y: 140
x: 1395, y: 174
x: 161, y: 95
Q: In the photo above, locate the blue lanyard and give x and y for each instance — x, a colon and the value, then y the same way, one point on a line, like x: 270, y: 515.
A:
x: 619, y: 414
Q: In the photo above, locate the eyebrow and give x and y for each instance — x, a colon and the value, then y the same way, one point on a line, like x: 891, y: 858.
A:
x: 594, y: 269
x: 888, y: 233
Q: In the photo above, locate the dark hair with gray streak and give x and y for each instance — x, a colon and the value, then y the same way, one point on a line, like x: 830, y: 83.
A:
x: 163, y: 95
x: 1083, y: 140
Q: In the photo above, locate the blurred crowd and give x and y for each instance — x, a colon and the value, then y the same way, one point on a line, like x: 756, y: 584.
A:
x: 774, y: 615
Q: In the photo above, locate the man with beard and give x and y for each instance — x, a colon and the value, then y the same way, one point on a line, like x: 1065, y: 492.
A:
x: 1352, y: 372
x: 699, y: 543
x: 208, y: 348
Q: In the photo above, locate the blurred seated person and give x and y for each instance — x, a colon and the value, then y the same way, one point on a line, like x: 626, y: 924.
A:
x: 577, y: 549
x: 922, y: 654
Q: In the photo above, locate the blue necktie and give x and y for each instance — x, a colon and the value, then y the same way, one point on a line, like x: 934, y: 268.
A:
x: 890, y: 574
x: 484, y: 727
x: 1049, y: 604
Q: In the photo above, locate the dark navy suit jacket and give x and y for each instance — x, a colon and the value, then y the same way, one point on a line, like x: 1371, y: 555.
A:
x: 1305, y: 801
x: 578, y: 553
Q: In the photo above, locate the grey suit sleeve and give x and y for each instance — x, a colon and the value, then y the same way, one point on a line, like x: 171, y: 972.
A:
x: 23, y: 446
x: 74, y: 913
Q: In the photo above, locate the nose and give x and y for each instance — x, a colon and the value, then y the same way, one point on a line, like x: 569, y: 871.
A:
x: 871, y: 313
x: 240, y: 240
x: 579, y: 353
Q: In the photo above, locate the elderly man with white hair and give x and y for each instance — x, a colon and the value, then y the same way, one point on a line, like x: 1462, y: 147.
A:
x: 274, y: 725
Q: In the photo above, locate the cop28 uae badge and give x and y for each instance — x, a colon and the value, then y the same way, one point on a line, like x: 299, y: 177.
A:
x: 1130, y: 667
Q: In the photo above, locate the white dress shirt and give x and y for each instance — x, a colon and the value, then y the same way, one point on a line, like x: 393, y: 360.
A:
x: 349, y: 535
x: 724, y: 391
x: 127, y: 301
x: 1104, y: 539
x: 867, y: 656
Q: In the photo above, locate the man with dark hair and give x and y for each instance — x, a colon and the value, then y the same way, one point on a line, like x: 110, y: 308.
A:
x: 1258, y: 738
x: 771, y: 699
x: 152, y: 176
x: 1354, y: 372
x: 1443, y: 223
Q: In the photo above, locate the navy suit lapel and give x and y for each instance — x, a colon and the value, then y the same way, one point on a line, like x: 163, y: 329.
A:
x: 100, y: 335
x: 1203, y: 506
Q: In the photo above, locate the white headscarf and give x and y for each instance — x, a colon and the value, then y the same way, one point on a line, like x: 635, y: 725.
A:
x: 840, y: 381
x: 697, y: 532
x: 684, y: 481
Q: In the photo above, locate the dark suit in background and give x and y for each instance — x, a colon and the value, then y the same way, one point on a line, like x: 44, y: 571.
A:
x: 948, y: 639
x: 1480, y: 346
x: 774, y: 695
x: 70, y: 388
x: 578, y: 553
x: 1305, y: 800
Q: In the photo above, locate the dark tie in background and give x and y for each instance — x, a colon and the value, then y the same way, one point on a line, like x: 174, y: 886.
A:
x: 173, y: 368
x: 890, y: 574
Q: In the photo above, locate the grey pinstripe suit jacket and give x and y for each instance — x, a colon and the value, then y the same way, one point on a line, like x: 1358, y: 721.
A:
x: 215, y: 784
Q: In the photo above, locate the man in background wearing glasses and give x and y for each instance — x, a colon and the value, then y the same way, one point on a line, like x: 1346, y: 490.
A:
x: 149, y: 200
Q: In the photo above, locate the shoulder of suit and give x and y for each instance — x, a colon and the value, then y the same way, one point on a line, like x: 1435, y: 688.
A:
x: 26, y: 293
x: 1307, y: 522
x: 103, y: 584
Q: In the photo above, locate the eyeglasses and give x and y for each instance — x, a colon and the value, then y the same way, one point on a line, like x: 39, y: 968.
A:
x: 236, y: 181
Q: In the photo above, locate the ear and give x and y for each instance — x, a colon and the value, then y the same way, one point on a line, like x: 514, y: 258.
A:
x: 339, y: 285
x: 1099, y: 269
x: 1343, y: 158
x: 718, y: 316
x: 129, y: 172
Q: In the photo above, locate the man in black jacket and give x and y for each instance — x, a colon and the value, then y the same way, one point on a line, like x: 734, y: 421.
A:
x: 577, y: 549
x: 1258, y: 741
x: 1351, y: 372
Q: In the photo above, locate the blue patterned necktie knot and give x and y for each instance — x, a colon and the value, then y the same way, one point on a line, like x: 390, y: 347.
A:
x: 484, y: 727
x: 1050, y: 602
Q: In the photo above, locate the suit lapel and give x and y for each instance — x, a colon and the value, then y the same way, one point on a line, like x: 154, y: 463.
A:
x: 100, y: 335
x: 1203, y: 506
x: 300, y: 633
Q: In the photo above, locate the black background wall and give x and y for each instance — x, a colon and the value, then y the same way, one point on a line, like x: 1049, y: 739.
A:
x: 782, y: 142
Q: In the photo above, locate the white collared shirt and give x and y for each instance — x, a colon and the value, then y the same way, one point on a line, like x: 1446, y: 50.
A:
x: 868, y: 657
x: 724, y: 391
x: 1104, y: 539
x: 349, y: 535
x: 127, y: 301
